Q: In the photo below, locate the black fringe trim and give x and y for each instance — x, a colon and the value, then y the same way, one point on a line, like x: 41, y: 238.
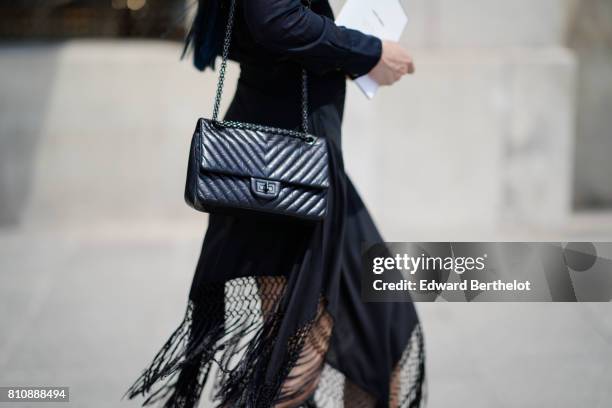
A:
x: 217, y: 332
x: 236, y: 329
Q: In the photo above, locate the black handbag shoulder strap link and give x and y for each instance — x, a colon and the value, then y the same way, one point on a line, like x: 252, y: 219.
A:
x: 224, y: 56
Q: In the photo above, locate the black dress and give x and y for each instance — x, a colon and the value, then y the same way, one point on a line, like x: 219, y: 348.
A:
x: 275, y: 316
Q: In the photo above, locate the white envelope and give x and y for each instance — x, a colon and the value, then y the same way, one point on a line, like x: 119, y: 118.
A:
x: 385, y: 19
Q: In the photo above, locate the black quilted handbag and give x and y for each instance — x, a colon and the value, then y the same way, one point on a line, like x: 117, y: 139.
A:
x: 239, y: 167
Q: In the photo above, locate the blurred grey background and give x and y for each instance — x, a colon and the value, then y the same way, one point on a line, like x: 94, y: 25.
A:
x: 503, y: 134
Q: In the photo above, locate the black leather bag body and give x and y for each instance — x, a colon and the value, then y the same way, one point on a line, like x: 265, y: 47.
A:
x: 237, y: 167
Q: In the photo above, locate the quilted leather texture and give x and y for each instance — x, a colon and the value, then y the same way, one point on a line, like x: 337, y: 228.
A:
x: 243, y: 152
x: 223, y: 160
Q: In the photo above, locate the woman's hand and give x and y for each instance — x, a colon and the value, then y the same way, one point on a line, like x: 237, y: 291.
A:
x: 394, y: 63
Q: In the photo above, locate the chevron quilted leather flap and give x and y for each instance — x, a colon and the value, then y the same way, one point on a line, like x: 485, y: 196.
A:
x: 266, y: 153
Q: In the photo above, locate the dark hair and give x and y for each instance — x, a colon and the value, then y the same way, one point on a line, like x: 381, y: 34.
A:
x: 205, y: 35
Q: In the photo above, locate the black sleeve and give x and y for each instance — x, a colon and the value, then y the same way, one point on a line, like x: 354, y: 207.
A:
x: 315, y: 41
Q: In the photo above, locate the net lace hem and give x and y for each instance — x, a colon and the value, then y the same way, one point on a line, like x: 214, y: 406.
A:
x: 224, y: 345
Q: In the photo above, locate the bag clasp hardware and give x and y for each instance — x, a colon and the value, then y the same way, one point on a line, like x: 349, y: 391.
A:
x: 267, y: 189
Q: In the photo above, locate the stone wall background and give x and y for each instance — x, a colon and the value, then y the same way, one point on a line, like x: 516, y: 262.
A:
x: 590, y: 36
x: 505, y: 122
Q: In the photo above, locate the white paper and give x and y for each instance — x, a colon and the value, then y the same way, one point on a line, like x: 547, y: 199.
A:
x: 385, y: 19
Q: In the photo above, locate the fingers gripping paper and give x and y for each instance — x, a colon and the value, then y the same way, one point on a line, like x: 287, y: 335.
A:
x: 385, y: 19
